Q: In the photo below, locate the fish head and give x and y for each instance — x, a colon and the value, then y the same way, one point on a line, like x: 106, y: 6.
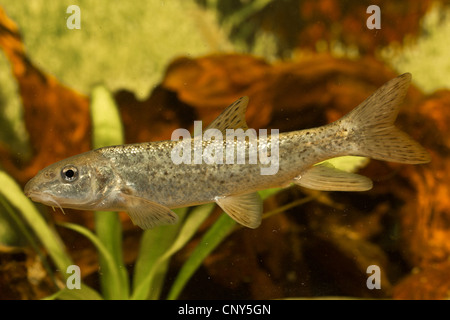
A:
x: 77, y: 182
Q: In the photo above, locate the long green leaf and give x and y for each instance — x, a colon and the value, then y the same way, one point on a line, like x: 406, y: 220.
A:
x: 109, y: 231
x: 84, y: 293
x: 109, y: 266
x: 108, y: 130
x: 106, y: 122
x: 12, y: 192
x: 27, y: 234
x: 190, y: 226
x: 212, y: 238
x: 348, y: 163
x: 46, y: 235
x: 154, y: 243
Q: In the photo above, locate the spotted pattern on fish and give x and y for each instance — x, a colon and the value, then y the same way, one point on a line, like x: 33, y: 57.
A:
x: 143, y: 180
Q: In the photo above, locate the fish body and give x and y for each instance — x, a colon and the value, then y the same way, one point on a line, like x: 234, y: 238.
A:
x: 144, y: 180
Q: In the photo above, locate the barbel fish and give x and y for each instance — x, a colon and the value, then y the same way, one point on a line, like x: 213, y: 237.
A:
x: 143, y: 180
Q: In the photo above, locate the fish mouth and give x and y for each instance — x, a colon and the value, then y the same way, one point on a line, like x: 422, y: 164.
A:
x: 30, y: 193
x: 50, y: 200
x: 43, y: 198
x: 35, y: 196
x: 39, y: 196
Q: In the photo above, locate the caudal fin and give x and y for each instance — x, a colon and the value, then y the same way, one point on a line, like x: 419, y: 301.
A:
x: 372, y: 123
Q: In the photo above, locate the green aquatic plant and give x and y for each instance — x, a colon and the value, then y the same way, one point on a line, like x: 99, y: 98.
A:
x: 38, y: 232
x: 108, y: 131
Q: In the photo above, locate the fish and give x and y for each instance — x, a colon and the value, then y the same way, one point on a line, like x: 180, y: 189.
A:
x: 143, y: 180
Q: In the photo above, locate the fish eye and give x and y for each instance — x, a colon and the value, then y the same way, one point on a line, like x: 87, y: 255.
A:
x: 69, y: 173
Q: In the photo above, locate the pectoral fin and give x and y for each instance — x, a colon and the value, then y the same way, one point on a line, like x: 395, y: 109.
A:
x: 148, y: 214
x: 245, y: 209
x: 326, y: 178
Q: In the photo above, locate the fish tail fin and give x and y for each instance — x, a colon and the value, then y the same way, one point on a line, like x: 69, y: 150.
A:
x: 373, y: 125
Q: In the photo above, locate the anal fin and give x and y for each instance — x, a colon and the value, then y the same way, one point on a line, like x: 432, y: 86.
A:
x: 148, y: 214
x: 245, y: 209
x: 327, y: 178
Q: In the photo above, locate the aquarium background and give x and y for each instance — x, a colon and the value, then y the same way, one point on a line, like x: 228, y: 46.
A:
x: 155, y: 66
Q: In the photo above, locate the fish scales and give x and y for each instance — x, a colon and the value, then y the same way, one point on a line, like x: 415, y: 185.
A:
x: 148, y: 167
x: 147, y: 180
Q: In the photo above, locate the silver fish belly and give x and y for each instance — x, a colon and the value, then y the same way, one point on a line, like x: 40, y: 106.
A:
x: 143, y: 179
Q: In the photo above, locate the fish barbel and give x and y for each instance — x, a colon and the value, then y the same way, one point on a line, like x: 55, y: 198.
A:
x: 144, y: 181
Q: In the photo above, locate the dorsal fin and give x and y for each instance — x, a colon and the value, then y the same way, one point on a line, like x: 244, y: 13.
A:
x: 233, y: 117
